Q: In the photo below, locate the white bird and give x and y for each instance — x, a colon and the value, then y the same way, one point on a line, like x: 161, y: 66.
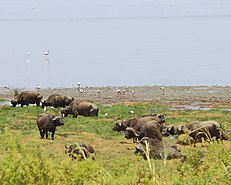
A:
x: 98, y: 92
x: 131, y: 112
x: 28, y: 57
x: 124, y: 91
x: 106, y: 114
x: 80, y: 92
x: 37, y: 87
x: 46, y: 53
x: 78, y: 84
x: 162, y: 88
x: 118, y: 92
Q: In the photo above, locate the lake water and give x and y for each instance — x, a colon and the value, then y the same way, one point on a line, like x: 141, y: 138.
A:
x: 115, y: 42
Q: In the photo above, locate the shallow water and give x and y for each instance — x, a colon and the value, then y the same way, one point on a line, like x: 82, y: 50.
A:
x: 189, y: 107
x: 115, y: 43
x: 5, y: 103
x: 196, y: 107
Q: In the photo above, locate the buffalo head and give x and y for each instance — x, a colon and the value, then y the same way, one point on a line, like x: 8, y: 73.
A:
x: 58, y: 121
x: 161, y: 117
x: 64, y: 112
x: 130, y: 133
x: 119, y: 126
x: 14, y: 102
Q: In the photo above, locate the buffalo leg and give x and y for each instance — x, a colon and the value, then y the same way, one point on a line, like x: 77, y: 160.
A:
x: 41, y: 133
x: 55, y: 106
x: 52, y: 135
x: 75, y: 114
x: 46, y: 133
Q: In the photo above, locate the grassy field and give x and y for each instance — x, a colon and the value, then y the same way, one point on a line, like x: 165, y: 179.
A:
x: 27, y: 159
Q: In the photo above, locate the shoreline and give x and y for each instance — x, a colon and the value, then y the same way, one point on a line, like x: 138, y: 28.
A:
x: 169, y: 95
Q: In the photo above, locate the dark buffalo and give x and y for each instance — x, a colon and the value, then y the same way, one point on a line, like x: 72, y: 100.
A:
x: 206, y: 130
x: 57, y: 100
x: 80, y: 108
x: 153, y: 148
x: 80, y: 151
x: 26, y: 98
x: 197, y: 130
x: 169, y: 130
x: 137, y: 122
x: 48, y: 123
x: 149, y: 129
x: 160, y: 118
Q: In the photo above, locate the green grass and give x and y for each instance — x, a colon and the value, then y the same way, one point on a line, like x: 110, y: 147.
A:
x: 27, y: 159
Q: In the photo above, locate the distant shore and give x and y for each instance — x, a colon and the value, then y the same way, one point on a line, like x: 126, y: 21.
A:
x: 169, y: 95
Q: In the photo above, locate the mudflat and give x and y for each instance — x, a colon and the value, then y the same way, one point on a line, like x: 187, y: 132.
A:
x: 173, y: 96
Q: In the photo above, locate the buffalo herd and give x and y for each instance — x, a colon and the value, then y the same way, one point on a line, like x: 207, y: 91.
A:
x: 147, y: 130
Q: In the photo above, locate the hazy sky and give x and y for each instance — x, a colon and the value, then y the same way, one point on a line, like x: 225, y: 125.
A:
x: 115, y: 42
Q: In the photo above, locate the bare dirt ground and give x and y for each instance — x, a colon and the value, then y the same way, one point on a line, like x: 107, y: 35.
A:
x: 173, y: 96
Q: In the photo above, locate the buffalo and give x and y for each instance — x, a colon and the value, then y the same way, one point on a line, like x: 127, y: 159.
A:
x: 48, y: 123
x: 26, y: 98
x: 197, y: 131
x: 137, y: 122
x: 80, y: 108
x: 57, y: 100
x: 206, y: 130
x: 169, y: 130
x: 153, y: 148
x: 149, y: 129
x: 80, y: 151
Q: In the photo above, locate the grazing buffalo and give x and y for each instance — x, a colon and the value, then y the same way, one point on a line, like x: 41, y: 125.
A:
x: 153, y: 148
x: 26, y: 98
x: 149, y: 129
x: 80, y: 108
x: 137, y: 122
x: 80, y: 151
x: 48, y: 123
x: 57, y: 100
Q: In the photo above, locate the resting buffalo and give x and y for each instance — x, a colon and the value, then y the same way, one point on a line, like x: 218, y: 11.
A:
x: 198, y: 130
x: 57, y: 100
x: 173, y: 130
x: 26, y: 98
x: 137, y: 122
x: 205, y: 130
x: 149, y: 129
x: 48, y: 122
x: 160, y: 118
x: 80, y: 151
x: 150, y: 147
x: 80, y: 108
